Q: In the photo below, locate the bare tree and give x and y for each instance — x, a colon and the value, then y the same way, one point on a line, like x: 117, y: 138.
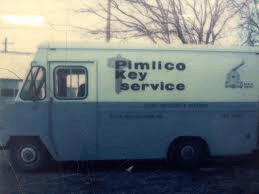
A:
x: 190, y: 21
x: 250, y: 23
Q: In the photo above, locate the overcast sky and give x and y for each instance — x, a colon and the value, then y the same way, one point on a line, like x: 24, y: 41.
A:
x: 26, y: 23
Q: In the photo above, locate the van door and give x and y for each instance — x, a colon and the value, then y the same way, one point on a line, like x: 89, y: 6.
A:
x: 73, y: 112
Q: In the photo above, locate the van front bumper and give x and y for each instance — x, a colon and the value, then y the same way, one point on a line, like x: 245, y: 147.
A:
x: 256, y: 151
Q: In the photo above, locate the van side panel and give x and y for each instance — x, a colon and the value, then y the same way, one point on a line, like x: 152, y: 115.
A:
x: 142, y: 117
x: 145, y: 130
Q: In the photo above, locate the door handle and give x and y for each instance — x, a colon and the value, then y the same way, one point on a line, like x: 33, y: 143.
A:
x: 50, y: 100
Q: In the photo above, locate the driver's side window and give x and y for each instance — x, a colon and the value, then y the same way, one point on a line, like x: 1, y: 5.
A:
x: 70, y: 82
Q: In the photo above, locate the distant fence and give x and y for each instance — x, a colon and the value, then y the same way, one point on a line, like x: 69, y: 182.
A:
x: 6, y: 92
x: 9, y: 87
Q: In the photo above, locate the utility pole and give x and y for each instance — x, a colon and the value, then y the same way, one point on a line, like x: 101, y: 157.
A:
x: 5, y: 45
x: 108, y: 28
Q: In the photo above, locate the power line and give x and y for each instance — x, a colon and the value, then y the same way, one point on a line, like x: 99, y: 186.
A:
x: 11, y: 72
x: 17, y: 53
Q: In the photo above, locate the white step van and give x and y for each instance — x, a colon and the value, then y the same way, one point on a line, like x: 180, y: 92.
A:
x: 92, y: 102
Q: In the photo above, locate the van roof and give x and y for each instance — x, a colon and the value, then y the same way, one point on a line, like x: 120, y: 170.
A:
x: 126, y: 46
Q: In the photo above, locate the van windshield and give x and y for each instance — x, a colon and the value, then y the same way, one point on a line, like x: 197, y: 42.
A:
x: 34, y: 87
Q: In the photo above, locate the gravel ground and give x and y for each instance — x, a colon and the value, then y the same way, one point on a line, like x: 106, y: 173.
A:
x: 227, y: 175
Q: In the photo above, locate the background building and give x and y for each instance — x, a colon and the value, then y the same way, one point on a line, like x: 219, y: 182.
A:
x: 8, y: 91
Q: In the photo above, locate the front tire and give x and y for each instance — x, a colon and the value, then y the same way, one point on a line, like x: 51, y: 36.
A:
x: 28, y: 156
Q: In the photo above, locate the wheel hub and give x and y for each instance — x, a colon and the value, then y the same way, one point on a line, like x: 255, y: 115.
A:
x: 187, y: 152
x: 28, y: 155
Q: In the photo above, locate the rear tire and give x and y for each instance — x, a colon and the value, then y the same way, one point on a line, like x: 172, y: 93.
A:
x: 28, y: 156
x: 188, y: 153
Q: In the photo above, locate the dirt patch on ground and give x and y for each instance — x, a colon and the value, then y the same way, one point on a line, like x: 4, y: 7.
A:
x: 217, y: 176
